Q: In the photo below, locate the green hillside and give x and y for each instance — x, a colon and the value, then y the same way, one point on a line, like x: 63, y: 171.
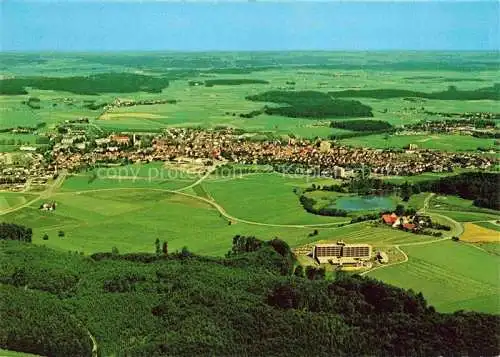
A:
x: 247, y: 304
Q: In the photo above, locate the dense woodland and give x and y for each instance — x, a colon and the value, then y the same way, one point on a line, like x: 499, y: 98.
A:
x: 311, y: 104
x: 249, y: 303
x: 371, y: 126
x: 87, y: 85
x: 452, y: 93
x: 11, y: 231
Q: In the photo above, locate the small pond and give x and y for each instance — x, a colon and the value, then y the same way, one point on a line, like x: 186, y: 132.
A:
x: 364, y: 203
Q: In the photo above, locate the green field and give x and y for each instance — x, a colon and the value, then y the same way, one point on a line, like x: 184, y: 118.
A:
x: 13, y: 199
x: 377, y: 235
x: 131, y: 219
x: 489, y: 225
x: 451, y: 275
x: 437, y: 142
x: 460, y: 209
x: 6, y: 353
x: 267, y: 198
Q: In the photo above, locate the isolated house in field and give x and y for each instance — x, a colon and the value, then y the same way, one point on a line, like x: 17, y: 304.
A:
x: 48, y: 206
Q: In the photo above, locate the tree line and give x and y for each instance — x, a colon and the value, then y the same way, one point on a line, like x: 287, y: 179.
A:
x: 86, y: 85
x: 11, y: 231
x: 372, y: 126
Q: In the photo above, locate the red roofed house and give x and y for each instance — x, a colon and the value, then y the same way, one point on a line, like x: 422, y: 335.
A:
x: 120, y: 139
x: 409, y: 226
x: 390, y: 218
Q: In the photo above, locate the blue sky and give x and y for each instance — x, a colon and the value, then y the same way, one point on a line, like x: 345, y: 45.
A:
x: 162, y: 25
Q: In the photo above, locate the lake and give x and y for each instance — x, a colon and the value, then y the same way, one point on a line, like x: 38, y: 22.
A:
x: 364, y: 203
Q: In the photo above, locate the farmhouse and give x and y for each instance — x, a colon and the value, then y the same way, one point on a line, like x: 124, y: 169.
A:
x: 341, y: 254
x: 48, y: 206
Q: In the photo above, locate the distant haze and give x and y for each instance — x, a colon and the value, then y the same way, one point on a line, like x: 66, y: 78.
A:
x: 225, y: 26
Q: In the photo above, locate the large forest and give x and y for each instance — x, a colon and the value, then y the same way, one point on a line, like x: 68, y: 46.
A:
x: 250, y: 303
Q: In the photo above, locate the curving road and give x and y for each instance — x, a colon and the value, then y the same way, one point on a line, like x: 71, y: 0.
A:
x: 214, y: 204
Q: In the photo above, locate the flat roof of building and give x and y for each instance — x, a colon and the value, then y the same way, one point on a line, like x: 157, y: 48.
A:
x: 342, y: 245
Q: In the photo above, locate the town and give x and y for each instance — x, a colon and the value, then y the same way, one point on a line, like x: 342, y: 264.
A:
x: 74, y: 150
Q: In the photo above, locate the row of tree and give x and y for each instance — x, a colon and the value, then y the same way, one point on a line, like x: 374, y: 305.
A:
x: 11, y: 231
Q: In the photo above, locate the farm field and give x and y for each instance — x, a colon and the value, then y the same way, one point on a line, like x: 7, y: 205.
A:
x: 436, y: 142
x: 153, y: 175
x: 131, y: 219
x: 474, y: 233
x: 464, y: 216
x: 376, y: 234
x: 13, y: 199
x: 267, y: 198
x: 450, y: 275
x: 460, y: 209
x: 489, y: 225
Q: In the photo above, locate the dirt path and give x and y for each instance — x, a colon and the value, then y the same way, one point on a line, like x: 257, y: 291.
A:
x: 94, y: 343
x: 388, y: 265
x: 214, y: 204
x: 200, y: 180
x: 426, y: 202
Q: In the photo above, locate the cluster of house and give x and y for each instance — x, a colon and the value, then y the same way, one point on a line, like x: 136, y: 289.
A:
x: 466, y: 126
x: 130, y: 103
x: 415, y: 223
x: 16, y: 170
x: 235, y: 147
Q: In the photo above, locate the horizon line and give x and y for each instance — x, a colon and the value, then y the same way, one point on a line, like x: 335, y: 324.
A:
x: 131, y: 51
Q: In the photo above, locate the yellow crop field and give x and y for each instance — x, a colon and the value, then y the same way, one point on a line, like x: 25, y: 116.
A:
x: 475, y: 233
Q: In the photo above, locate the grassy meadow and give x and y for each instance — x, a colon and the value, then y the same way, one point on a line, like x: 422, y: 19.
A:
x: 435, y: 141
x: 451, y: 275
